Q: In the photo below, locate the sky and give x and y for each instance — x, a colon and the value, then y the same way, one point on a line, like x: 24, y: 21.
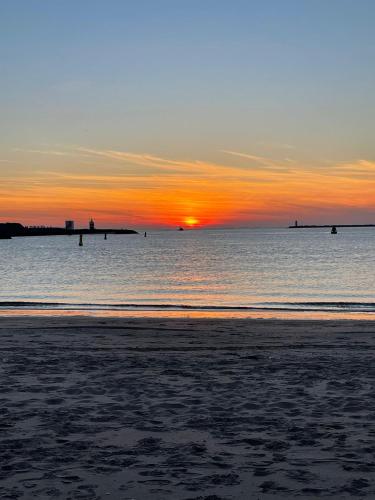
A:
x: 200, y: 113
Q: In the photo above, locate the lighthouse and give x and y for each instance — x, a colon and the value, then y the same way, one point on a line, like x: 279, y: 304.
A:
x: 92, y: 225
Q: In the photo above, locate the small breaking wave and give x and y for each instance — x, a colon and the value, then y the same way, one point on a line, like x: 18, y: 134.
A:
x: 368, y: 307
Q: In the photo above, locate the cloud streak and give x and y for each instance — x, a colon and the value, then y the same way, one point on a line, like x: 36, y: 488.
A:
x: 259, y: 161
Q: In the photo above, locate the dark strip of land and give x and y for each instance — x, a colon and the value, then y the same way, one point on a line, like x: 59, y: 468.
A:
x: 330, y: 225
x: 10, y: 230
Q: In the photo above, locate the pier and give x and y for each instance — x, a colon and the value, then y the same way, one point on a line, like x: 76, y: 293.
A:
x: 14, y: 229
x: 312, y: 226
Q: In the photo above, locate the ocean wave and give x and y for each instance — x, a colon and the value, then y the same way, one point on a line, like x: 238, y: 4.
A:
x: 269, y: 306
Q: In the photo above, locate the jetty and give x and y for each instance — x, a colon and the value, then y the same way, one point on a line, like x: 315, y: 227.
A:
x: 14, y: 229
x: 312, y: 226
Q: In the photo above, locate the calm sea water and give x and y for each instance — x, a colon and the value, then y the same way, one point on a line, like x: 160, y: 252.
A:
x: 253, y: 268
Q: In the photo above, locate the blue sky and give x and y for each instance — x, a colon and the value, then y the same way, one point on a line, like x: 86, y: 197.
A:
x: 161, y: 71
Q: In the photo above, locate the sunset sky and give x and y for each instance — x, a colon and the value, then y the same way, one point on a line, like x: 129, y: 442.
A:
x: 207, y: 113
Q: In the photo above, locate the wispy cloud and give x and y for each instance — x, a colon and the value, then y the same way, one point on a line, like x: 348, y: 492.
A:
x: 360, y: 168
x: 185, y: 168
x: 259, y: 160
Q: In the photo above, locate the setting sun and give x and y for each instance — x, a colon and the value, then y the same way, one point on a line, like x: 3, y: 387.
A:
x: 191, y: 221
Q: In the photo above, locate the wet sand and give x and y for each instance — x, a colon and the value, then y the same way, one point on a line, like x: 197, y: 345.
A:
x: 95, y: 408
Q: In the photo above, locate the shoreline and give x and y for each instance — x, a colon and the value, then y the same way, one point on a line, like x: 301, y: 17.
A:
x: 186, y: 408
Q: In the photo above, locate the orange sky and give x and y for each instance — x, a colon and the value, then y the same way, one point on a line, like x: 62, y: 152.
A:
x: 124, y: 189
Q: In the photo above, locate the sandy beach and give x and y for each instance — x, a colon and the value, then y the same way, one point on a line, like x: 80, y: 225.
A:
x: 121, y: 408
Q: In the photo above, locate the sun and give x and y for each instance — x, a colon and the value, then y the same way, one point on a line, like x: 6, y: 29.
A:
x: 191, y: 221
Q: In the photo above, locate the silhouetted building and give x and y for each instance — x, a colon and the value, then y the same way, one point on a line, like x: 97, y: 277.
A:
x: 92, y: 225
x: 69, y: 225
x: 9, y: 229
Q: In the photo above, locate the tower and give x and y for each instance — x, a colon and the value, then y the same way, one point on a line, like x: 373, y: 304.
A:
x: 69, y: 226
x: 92, y: 225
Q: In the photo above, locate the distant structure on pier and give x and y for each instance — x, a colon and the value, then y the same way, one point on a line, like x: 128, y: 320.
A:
x: 69, y: 226
x: 92, y: 225
x: 296, y: 223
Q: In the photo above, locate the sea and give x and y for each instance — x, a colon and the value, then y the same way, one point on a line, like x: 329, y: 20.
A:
x: 305, y: 273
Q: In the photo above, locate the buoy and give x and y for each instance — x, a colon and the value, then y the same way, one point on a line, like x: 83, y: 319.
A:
x: 333, y: 230
x: 80, y: 240
x: 105, y: 236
